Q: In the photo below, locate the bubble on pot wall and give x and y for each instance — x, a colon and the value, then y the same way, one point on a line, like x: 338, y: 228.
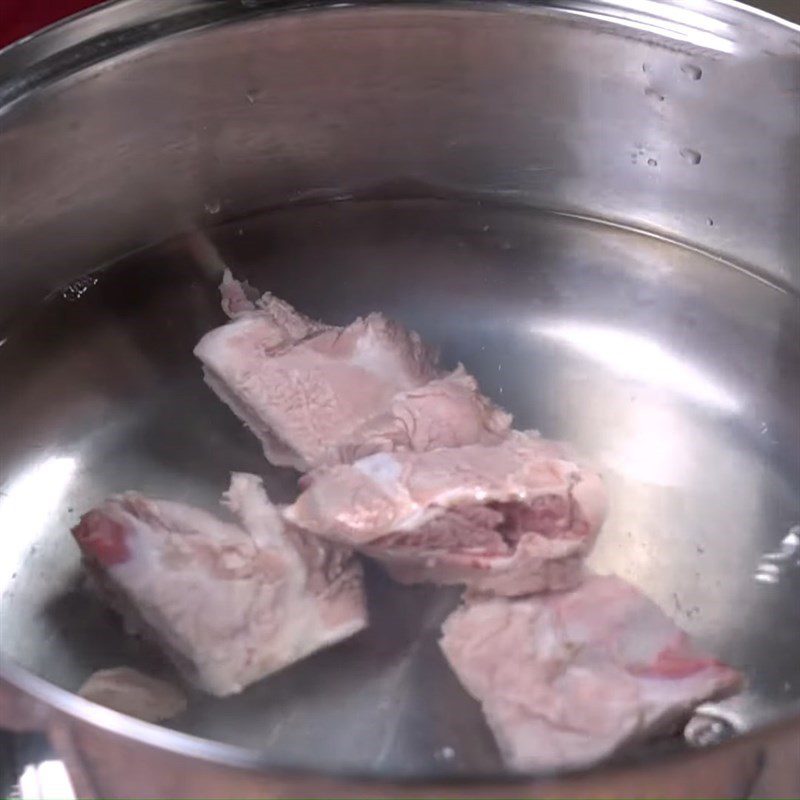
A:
x: 692, y: 71
x: 655, y: 95
x: 691, y: 156
x: 705, y: 729
x: 213, y: 206
x: 445, y: 753
x: 76, y: 289
x: 651, y: 162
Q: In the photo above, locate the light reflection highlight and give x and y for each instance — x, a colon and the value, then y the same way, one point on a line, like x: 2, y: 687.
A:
x: 773, y: 565
x: 26, y: 505
x: 47, y: 780
x: 664, y: 18
x: 639, y: 358
x: 652, y: 447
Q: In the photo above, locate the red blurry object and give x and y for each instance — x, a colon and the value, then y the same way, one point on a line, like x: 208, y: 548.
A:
x: 102, y: 538
x: 19, y: 18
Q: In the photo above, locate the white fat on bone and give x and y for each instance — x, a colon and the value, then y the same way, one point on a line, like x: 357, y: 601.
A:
x: 230, y: 603
x: 567, y: 679
x: 510, y: 518
x: 315, y: 394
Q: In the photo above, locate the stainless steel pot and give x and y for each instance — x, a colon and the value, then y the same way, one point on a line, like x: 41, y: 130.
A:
x: 593, y: 203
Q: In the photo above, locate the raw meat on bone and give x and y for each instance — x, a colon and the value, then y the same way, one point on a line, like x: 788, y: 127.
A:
x: 566, y: 679
x: 445, y: 412
x: 229, y: 603
x: 509, y: 518
x: 237, y: 297
x: 285, y: 324
x: 315, y: 394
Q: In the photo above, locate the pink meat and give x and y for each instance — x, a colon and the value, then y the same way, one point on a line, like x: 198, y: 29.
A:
x: 567, y: 679
x: 445, y: 412
x: 511, y: 518
x: 229, y: 602
x: 317, y: 395
x: 237, y: 297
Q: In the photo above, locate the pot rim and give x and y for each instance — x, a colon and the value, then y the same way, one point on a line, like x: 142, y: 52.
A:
x: 119, y: 26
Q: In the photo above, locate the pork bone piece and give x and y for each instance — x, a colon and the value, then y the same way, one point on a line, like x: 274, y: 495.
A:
x: 229, y: 603
x: 511, y: 518
x: 132, y: 692
x: 315, y: 394
x: 567, y: 679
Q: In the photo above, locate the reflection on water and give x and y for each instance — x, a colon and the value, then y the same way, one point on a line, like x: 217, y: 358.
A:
x: 26, y: 505
x: 773, y: 565
x: 654, y: 445
x: 665, y: 379
x: 637, y: 357
x: 44, y: 781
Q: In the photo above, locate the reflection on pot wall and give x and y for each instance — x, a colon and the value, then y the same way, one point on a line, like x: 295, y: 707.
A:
x: 464, y: 100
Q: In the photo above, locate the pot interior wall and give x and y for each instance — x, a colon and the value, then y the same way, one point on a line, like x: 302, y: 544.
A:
x: 692, y: 136
x: 417, y: 161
